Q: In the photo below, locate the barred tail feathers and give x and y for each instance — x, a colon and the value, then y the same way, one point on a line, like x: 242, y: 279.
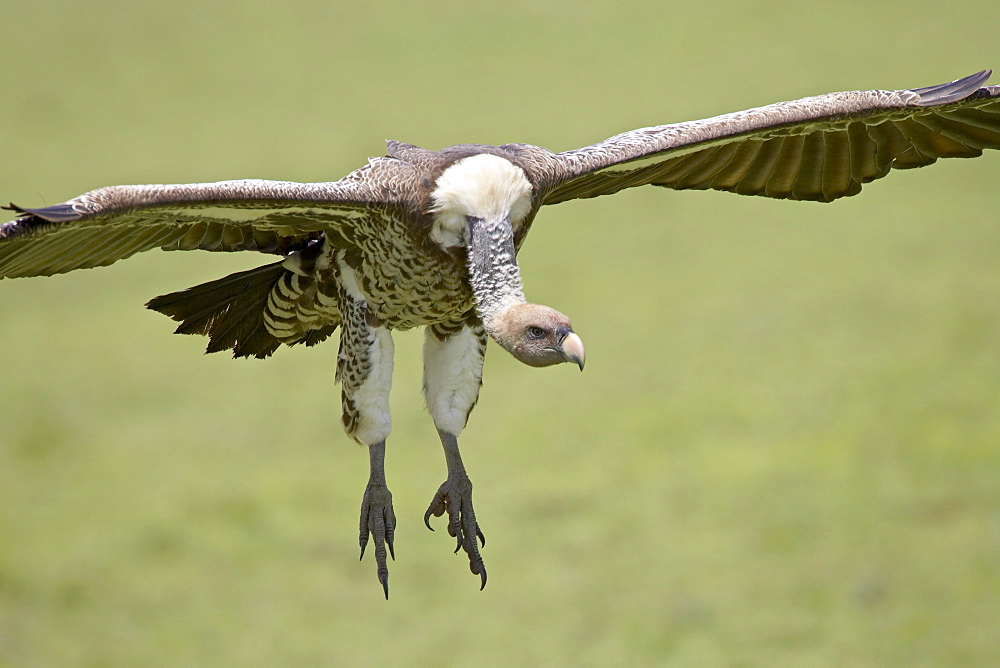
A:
x: 232, y: 312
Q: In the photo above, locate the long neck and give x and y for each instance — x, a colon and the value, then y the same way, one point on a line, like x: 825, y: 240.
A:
x: 493, y: 273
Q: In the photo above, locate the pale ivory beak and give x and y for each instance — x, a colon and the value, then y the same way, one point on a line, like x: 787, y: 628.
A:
x: 572, y: 347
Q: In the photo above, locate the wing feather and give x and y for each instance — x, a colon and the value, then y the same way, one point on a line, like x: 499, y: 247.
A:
x: 735, y: 171
x: 817, y: 148
x: 809, y: 176
x: 836, y: 173
x: 864, y: 166
x: 786, y: 167
x: 760, y: 170
x: 889, y: 145
x: 709, y: 169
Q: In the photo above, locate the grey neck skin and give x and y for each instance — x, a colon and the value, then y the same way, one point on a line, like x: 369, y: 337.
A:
x: 493, y: 273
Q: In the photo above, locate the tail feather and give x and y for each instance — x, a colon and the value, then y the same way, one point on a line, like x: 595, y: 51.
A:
x: 230, y: 311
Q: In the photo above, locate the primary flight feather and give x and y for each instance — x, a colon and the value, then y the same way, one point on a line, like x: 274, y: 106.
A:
x: 430, y: 238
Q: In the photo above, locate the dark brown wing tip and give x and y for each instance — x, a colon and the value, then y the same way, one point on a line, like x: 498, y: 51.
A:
x: 953, y: 91
x: 57, y: 213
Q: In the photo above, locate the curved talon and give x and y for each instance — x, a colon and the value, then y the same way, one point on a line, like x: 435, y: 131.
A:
x: 481, y: 537
x: 385, y: 584
x: 477, y: 567
x: 436, y: 507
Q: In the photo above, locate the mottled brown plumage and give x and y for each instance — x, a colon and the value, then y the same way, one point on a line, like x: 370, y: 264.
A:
x: 429, y: 238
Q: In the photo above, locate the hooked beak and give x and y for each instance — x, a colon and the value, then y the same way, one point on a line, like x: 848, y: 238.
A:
x: 572, y: 348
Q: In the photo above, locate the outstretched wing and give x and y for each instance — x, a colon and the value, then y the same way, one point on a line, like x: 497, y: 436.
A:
x: 109, y: 224
x: 817, y: 148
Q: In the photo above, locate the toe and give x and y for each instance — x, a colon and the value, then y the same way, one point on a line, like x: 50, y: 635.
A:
x: 437, y: 507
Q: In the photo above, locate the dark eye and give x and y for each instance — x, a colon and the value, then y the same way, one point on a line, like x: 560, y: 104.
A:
x: 535, y: 332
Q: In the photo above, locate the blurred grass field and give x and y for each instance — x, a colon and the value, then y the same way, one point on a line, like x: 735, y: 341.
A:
x: 785, y: 448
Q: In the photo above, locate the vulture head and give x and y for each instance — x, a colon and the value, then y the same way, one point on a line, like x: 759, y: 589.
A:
x: 538, y: 336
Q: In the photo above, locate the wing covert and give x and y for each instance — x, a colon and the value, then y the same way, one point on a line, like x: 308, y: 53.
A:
x: 817, y: 148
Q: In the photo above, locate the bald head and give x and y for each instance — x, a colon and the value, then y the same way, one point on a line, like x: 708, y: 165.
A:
x: 538, y: 336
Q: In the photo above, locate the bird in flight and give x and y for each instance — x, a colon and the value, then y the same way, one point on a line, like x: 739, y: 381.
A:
x: 430, y: 238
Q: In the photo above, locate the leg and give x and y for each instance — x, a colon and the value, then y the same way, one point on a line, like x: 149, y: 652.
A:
x: 453, y: 369
x: 364, y: 368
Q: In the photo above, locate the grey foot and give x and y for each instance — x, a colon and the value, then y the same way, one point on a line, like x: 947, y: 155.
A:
x: 455, y: 498
x: 378, y: 520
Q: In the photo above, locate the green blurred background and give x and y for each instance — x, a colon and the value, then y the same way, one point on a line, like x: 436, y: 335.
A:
x: 785, y: 447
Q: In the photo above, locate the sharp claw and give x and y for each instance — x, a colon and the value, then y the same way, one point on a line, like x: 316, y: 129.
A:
x: 364, y: 544
x: 427, y: 519
x: 459, y: 545
x: 392, y: 554
x: 480, y: 535
x: 482, y: 574
x: 385, y: 585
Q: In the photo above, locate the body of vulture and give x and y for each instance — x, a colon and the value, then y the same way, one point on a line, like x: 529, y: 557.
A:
x: 430, y: 238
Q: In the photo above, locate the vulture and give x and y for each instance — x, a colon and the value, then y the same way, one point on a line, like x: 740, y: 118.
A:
x: 430, y: 238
